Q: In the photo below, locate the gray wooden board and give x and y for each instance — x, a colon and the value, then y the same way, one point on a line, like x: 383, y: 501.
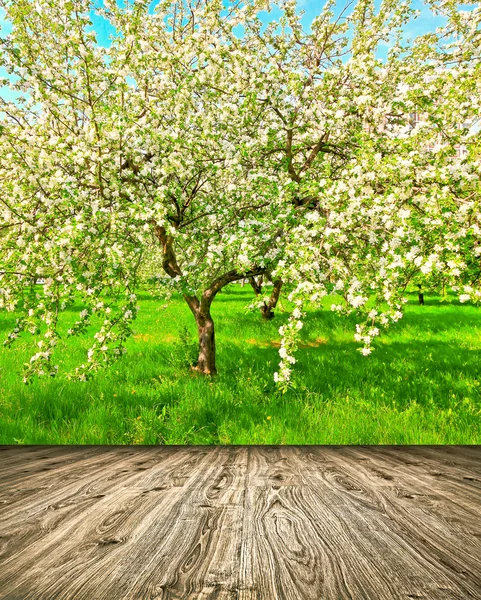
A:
x: 240, y: 522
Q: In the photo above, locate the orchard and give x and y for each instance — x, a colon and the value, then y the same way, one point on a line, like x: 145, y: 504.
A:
x: 203, y: 147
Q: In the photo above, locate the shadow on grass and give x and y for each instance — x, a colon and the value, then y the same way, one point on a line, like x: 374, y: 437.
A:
x: 443, y: 320
x: 6, y: 325
x: 395, y: 372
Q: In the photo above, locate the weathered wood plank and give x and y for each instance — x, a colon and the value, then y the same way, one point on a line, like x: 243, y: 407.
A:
x: 240, y: 523
x: 395, y: 524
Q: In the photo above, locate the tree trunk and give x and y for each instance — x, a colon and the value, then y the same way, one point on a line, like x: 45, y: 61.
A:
x: 200, y: 308
x: 206, y: 331
x: 420, y: 295
x: 256, y: 285
x: 267, y: 312
x: 205, y: 323
x: 267, y: 309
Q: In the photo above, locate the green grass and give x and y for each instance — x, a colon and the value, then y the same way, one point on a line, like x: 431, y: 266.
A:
x: 422, y: 385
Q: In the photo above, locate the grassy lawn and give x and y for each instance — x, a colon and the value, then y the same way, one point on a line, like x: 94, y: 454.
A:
x: 422, y: 385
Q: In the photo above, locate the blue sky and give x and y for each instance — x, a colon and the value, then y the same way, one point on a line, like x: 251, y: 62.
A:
x: 425, y: 23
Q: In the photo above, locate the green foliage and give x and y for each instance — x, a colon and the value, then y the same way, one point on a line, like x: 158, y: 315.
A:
x: 185, y: 351
x: 421, y: 385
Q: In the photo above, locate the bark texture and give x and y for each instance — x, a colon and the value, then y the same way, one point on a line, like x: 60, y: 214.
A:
x: 267, y: 309
x: 206, y: 331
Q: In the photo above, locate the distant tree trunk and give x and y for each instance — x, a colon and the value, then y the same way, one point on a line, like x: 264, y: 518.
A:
x: 420, y: 296
x: 267, y: 309
x: 256, y: 285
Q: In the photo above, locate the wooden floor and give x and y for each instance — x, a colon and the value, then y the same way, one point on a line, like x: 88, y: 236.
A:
x: 243, y: 523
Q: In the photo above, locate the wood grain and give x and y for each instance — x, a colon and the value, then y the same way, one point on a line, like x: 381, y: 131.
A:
x: 240, y: 523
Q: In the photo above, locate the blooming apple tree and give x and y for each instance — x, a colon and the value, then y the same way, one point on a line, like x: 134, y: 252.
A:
x: 112, y: 151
